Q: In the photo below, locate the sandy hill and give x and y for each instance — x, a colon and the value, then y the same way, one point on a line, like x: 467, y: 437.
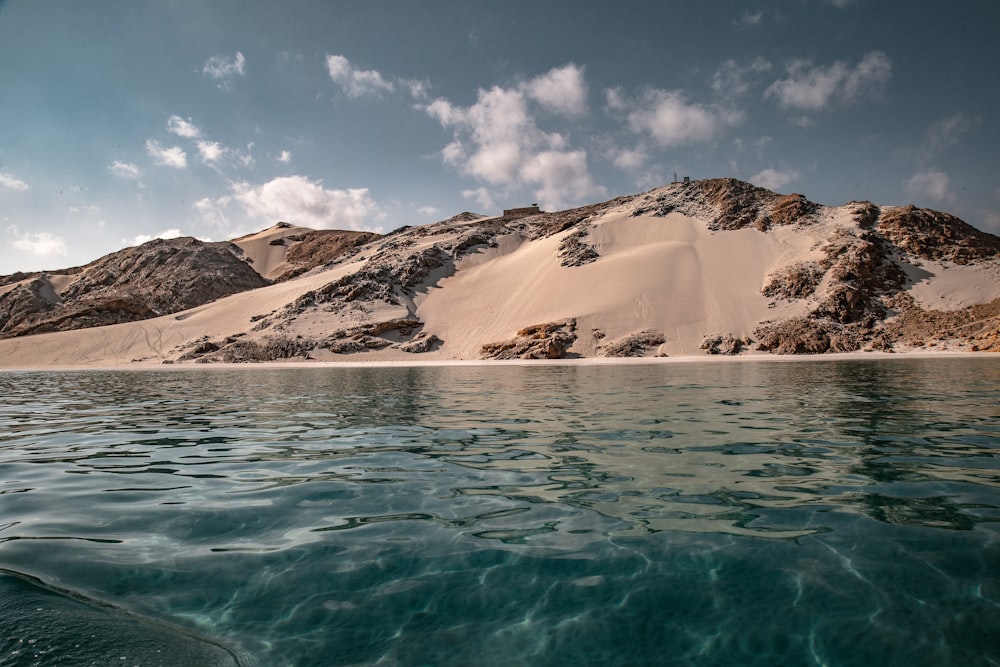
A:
x: 713, y: 266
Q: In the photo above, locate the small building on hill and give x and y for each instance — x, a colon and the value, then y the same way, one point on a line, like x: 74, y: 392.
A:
x: 521, y: 212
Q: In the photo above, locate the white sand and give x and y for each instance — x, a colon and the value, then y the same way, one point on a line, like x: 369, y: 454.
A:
x: 266, y: 259
x: 948, y: 286
x: 668, y: 274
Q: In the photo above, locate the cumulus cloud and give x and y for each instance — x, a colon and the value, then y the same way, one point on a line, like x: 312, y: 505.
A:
x: 211, y: 152
x: 356, y: 82
x: 812, y: 87
x: 225, y: 70
x: 562, y: 177
x: 670, y: 119
x: 165, y: 234
x: 298, y: 200
x: 12, y: 182
x: 629, y: 159
x: 773, y: 179
x: 429, y: 211
x: 125, y: 170
x: 285, y: 157
x: 482, y: 197
x: 168, y: 157
x: 498, y: 139
x: 41, y: 244
x: 560, y: 90
x: 183, y: 128
x: 931, y: 184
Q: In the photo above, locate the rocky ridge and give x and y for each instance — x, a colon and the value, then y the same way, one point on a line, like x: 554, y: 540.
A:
x: 850, y: 291
x: 155, y: 278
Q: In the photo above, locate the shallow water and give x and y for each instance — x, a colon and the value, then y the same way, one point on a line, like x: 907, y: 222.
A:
x: 827, y: 513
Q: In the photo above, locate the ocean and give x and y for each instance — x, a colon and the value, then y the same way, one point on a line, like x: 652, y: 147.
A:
x: 743, y: 513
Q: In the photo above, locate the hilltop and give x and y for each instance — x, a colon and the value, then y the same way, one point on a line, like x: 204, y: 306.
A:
x: 716, y: 266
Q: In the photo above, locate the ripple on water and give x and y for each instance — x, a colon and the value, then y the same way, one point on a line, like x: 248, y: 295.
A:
x: 834, y: 513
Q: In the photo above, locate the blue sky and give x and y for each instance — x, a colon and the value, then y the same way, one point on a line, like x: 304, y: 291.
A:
x: 124, y: 120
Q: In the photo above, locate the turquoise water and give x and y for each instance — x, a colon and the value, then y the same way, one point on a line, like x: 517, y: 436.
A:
x: 806, y: 513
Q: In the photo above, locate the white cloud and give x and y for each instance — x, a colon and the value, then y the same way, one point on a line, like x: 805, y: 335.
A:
x: 12, y: 182
x: 499, y: 129
x: 560, y: 90
x: 498, y: 140
x: 614, y: 100
x: 41, y: 244
x: 931, y: 184
x: 944, y: 133
x: 629, y: 159
x: 773, y: 179
x: 671, y: 120
x: 360, y: 83
x: 125, y: 170
x: 812, y: 87
x: 213, y: 211
x: 732, y: 79
x: 225, y: 70
x: 285, y: 157
x: 165, y: 234
x: 298, y: 200
x: 562, y: 178
x: 356, y: 82
x: 429, y: 211
x: 167, y: 157
x: 416, y: 88
x: 183, y: 128
x: 211, y: 152
x: 482, y: 197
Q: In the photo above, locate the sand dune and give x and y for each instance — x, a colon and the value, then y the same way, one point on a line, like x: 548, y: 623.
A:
x: 669, y: 265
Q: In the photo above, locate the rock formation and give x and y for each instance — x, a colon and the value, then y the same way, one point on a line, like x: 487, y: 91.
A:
x: 538, y: 341
x: 155, y: 278
x: 827, y: 279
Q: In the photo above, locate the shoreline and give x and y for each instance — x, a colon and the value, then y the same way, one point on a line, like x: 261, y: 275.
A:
x: 459, y: 363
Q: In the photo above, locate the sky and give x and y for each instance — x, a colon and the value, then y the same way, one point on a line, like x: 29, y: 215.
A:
x: 127, y: 120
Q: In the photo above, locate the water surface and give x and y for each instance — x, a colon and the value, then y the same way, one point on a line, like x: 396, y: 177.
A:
x: 826, y: 513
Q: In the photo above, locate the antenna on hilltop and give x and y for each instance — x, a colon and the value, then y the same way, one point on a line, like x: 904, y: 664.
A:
x: 675, y: 178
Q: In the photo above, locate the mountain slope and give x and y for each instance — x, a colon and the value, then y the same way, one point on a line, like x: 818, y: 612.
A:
x: 158, y: 277
x: 714, y: 266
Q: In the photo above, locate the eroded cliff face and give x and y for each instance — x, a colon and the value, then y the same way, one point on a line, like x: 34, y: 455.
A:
x: 155, y: 278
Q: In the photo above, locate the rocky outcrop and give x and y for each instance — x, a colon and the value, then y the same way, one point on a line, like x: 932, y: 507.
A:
x: 319, y: 248
x: 575, y: 251
x: 405, y: 335
x: 797, y: 281
x: 976, y: 328
x: 633, y: 345
x: 839, y: 287
x: 728, y: 204
x: 30, y: 299
x: 804, y: 335
x: 727, y: 344
x: 934, y: 235
x: 862, y: 279
x: 538, y: 341
x: 155, y: 278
